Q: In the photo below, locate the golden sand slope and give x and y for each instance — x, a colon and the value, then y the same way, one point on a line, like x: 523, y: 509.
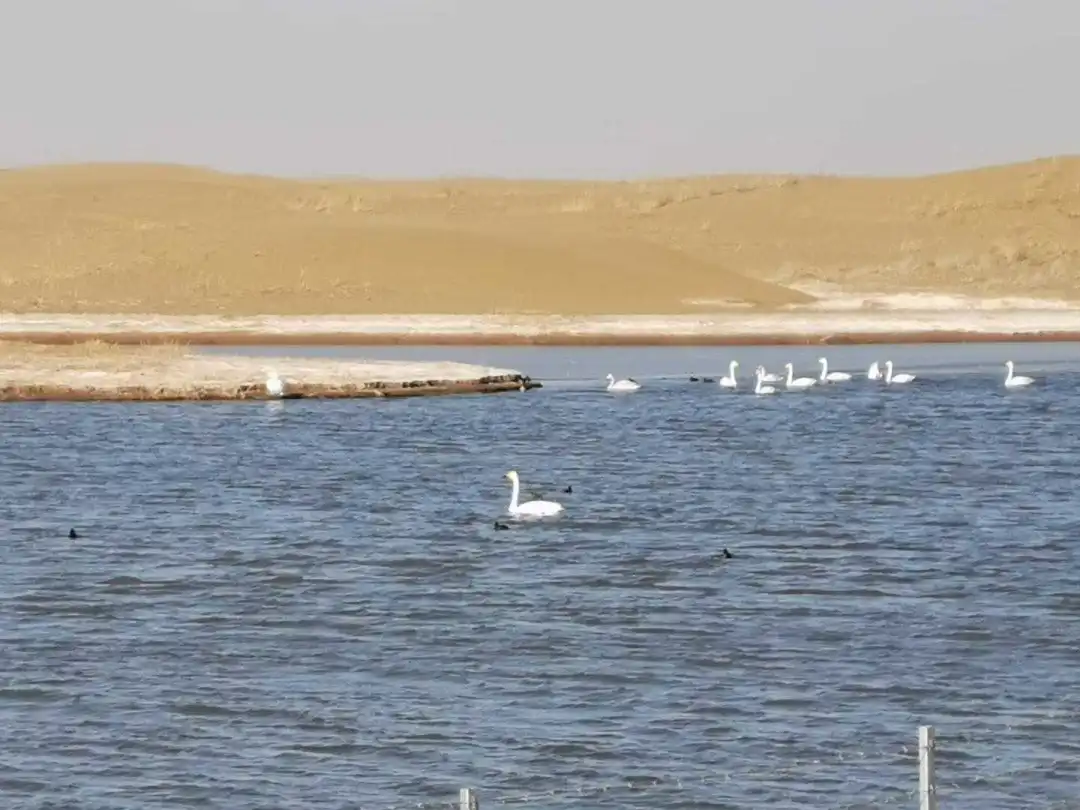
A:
x: 175, y: 240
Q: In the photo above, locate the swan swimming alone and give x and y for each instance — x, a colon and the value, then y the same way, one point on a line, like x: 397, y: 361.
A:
x: 629, y: 384
x: 797, y: 382
x: 729, y: 381
x: 874, y: 372
x: 275, y: 386
x: 759, y: 388
x: 1015, y: 380
x: 831, y: 376
x: 767, y: 376
x: 529, y: 508
x: 891, y: 379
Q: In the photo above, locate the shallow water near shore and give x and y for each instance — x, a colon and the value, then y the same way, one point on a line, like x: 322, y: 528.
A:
x: 585, y: 367
x: 305, y: 604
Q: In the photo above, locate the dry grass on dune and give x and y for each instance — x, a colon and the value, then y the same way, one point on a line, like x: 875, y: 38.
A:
x: 175, y: 240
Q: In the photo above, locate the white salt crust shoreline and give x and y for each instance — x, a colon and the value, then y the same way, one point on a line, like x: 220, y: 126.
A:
x: 772, y: 324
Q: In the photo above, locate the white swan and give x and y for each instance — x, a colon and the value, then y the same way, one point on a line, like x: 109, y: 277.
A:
x: 629, y: 384
x: 275, y: 386
x: 874, y: 372
x: 529, y: 508
x: 891, y: 378
x: 1015, y: 380
x: 767, y: 377
x: 758, y: 387
x: 831, y: 376
x: 797, y: 382
x: 729, y: 381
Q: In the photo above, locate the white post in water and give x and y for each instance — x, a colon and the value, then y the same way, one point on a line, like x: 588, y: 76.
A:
x: 468, y: 799
x: 927, y: 777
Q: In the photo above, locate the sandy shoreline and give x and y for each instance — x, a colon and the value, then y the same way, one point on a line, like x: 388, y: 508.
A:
x: 793, y: 327
x: 106, y: 372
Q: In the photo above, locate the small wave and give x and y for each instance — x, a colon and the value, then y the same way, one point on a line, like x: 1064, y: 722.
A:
x: 285, y: 578
x: 59, y: 609
x: 32, y: 694
x: 201, y: 709
x: 340, y: 749
x: 123, y: 582
x: 25, y: 786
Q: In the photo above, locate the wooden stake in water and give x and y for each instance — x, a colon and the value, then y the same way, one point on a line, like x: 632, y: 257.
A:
x: 469, y: 799
x: 927, y: 777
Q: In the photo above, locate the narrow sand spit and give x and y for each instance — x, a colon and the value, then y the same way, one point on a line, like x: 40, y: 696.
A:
x: 102, y: 371
x: 865, y: 320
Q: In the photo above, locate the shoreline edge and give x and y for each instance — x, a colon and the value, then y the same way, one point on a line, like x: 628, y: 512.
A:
x: 724, y: 328
x: 100, y: 371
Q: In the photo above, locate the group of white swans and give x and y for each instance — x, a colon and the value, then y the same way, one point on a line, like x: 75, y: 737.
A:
x: 275, y: 387
x: 793, y: 383
x: 545, y: 508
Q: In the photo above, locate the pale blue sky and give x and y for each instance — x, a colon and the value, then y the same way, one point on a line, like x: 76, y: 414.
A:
x: 552, y: 88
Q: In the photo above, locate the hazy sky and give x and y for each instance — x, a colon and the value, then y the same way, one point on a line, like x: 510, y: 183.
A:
x: 571, y: 88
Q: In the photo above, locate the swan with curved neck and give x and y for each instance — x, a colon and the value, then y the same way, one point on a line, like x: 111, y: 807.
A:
x: 529, y: 508
x: 729, y: 381
x: 1015, y: 380
x: 797, y: 382
x: 759, y: 387
x: 893, y: 379
x: 874, y: 372
x: 629, y: 384
x: 831, y: 376
x: 768, y: 377
x: 275, y: 386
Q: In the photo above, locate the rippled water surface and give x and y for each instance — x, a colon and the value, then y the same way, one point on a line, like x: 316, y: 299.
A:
x: 309, y: 606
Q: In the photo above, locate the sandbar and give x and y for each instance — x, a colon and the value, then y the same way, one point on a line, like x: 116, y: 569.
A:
x: 97, y: 371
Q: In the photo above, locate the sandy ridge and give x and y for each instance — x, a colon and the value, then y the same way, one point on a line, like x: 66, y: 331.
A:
x: 129, y: 239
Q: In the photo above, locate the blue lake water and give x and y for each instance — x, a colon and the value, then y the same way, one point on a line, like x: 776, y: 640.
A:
x: 306, y: 604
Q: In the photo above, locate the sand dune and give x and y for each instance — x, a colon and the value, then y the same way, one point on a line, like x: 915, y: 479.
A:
x: 178, y: 240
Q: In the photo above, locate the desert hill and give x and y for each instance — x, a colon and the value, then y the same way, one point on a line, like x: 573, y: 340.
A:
x: 107, y: 238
